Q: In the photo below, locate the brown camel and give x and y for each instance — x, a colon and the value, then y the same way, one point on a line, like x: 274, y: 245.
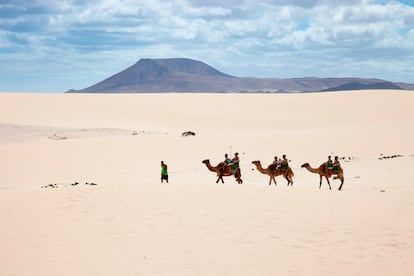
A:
x: 272, y: 171
x: 324, y: 171
x: 220, y: 171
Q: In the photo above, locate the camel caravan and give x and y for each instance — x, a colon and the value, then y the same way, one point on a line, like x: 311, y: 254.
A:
x: 231, y: 167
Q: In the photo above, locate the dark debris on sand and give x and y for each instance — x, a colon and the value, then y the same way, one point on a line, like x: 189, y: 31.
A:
x: 188, y: 133
x: 57, y: 185
x: 383, y: 157
x: 347, y: 158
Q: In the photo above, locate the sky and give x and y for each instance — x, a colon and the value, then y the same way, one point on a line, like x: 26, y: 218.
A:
x: 53, y: 46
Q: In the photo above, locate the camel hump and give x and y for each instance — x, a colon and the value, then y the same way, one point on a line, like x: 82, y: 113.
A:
x: 221, y: 166
x: 272, y: 167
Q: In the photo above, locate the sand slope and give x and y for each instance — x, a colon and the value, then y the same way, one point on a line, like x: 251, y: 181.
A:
x: 131, y: 224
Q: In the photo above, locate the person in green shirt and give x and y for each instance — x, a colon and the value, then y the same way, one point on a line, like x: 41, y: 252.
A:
x: 235, y: 165
x: 164, y: 172
x: 329, y: 163
x: 284, y: 164
x: 227, y: 160
x: 336, y: 165
x: 227, y: 163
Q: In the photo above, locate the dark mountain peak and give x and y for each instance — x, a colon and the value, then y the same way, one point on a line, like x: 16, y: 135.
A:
x: 185, y: 65
x: 146, y: 70
x: 158, y: 74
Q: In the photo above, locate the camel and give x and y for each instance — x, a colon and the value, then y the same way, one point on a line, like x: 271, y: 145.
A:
x: 219, y: 170
x: 272, y: 172
x: 324, y: 171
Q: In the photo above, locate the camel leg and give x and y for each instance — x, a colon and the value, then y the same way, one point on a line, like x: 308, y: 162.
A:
x: 342, y: 182
x: 329, y: 184
x: 238, y: 176
x: 288, y: 180
x: 320, y: 181
x: 220, y: 178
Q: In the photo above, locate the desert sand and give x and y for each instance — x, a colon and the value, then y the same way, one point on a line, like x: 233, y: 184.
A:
x: 80, y: 190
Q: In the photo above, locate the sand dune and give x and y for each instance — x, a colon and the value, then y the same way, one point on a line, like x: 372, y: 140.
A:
x: 128, y: 223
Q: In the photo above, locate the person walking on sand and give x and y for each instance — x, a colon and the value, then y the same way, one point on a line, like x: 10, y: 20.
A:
x: 164, y: 172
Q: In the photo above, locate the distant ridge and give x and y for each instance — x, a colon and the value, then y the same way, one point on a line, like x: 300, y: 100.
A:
x: 187, y: 75
x: 363, y: 86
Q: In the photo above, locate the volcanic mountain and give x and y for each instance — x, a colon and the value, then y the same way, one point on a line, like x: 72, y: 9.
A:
x: 186, y: 75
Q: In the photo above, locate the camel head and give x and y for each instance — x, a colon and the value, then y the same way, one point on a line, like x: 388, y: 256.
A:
x: 206, y: 161
x: 305, y: 165
x: 256, y: 162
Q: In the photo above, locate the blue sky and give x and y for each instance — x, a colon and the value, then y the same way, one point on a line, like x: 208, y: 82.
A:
x: 54, y: 46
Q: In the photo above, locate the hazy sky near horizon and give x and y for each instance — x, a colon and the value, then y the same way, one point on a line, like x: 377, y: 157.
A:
x: 54, y: 46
